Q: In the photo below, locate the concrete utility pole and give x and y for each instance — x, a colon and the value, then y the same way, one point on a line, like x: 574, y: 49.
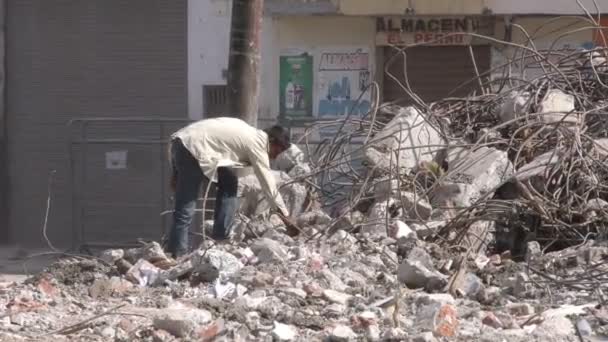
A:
x: 244, y: 59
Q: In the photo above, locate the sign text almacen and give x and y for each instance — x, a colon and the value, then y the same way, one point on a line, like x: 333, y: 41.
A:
x: 435, y: 30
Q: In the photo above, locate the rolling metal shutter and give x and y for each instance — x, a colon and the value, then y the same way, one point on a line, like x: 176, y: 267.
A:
x: 70, y: 59
x: 433, y: 72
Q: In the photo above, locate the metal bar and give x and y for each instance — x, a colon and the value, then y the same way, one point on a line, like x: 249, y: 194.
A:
x: 5, y: 235
x: 244, y: 59
x: 83, y: 181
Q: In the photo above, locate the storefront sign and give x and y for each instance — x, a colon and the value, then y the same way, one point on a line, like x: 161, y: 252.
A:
x: 433, y: 30
x: 295, y: 85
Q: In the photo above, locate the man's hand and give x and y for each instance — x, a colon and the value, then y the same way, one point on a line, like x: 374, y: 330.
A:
x: 292, y: 228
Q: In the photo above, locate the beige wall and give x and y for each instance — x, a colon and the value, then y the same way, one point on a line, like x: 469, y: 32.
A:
x: 421, y: 7
x: 566, y: 34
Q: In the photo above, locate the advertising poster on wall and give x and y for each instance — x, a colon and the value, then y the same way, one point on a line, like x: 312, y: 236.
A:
x: 295, y: 85
x: 343, y: 77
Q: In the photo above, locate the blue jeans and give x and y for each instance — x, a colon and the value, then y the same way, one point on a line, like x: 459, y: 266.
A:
x: 189, y: 177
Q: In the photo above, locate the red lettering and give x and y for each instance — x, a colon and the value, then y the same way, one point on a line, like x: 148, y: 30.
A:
x: 438, y: 38
x: 394, y: 39
x: 428, y: 37
x: 418, y: 37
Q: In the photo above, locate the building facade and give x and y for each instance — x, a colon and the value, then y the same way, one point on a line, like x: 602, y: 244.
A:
x: 142, y: 68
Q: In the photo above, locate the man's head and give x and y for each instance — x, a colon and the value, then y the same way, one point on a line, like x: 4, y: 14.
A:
x: 278, y: 140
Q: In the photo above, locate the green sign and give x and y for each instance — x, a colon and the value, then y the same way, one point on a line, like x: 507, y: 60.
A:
x: 295, y: 85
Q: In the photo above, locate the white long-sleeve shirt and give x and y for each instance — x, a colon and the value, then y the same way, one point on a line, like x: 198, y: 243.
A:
x: 231, y: 142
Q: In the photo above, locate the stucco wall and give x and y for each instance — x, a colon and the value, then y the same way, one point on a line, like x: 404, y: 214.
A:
x: 208, y: 45
x: 565, y: 34
x: 544, y: 6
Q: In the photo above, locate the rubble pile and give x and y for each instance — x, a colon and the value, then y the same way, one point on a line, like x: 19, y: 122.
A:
x: 469, y: 219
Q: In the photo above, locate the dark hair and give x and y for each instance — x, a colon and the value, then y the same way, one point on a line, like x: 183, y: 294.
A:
x: 278, y: 135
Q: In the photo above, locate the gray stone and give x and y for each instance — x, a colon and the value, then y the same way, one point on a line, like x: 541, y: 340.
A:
x: 520, y: 309
x: 151, y: 252
x: 417, y: 207
x: 342, y: 333
x: 335, y: 309
x: 521, y: 285
x: 428, y: 228
x: 533, y: 250
x: 469, y: 285
x: 424, y: 337
x: 377, y: 219
x: 539, y: 166
x: 111, y: 256
x: 288, y: 159
x: 268, y: 250
x: 558, y: 106
x: 410, y: 136
x: 312, y: 218
x: 254, y: 202
x: 556, y: 329
x: 284, y: 333
x: 296, y: 292
x: 434, y: 299
x: 385, y: 188
x: 182, y: 321
x: 394, y: 334
x: 601, y: 147
x: 337, y: 297
x: 215, y: 262
x: 517, y: 103
x: 300, y: 170
x: 333, y: 281
x: 415, y: 275
x: 597, y: 204
x: 401, y: 231
x: 479, y: 236
x: 469, y: 179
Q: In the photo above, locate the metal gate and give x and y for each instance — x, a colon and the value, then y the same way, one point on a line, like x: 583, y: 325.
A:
x: 434, y: 72
x: 120, y: 170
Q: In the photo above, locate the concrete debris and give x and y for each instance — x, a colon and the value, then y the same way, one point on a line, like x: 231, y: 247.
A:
x: 478, y: 174
x: 254, y: 202
x: 474, y: 219
x: 337, y: 297
x: 342, y: 333
x: 558, y: 106
x: 284, y: 333
x: 407, y: 140
x: 267, y: 250
x: 181, y: 321
x: 516, y: 104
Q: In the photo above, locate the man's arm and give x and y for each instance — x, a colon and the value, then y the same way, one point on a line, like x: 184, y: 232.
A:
x: 261, y: 166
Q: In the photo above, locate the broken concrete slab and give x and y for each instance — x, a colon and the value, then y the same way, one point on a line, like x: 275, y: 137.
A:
x: 267, y: 250
x: 284, y: 333
x: 417, y: 207
x: 415, y: 275
x: 477, y: 175
x: 287, y: 159
x: 410, y: 137
x: 181, y: 321
x: 254, y: 202
x: 558, y: 106
x: 216, y: 262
